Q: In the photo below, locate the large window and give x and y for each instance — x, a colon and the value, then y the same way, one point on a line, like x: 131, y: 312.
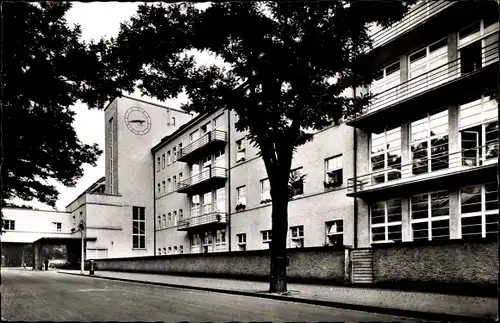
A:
x: 220, y: 200
x: 335, y: 233
x: 430, y: 216
x: 297, y: 236
x: 296, y: 182
x: 386, y: 155
x: 265, y: 191
x: 386, y: 224
x: 386, y: 78
x: 193, y: 136
x: 242, y: 241
x: 241, y: 195
x: 479, y: 211
x: 111, y: 142
x: 138, y: 227
x: 429, y: 143
x: 479, y: 131
x: 195, y: 205
x: 219, y: 122
x: 266, y: 238
x: 427, y: 67
x: 220, y: 240
x: 207, y: 203
x: 476, y: 44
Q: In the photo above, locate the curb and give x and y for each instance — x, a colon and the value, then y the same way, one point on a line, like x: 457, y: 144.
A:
x: 365, y: 308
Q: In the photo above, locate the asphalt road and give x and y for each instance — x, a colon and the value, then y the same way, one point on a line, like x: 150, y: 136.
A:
x: 50, y: 296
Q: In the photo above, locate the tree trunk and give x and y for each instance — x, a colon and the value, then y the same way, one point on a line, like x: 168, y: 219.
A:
x: 278, y: 241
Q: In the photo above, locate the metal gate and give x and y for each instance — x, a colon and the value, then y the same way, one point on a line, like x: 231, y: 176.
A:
x: 362, y: 266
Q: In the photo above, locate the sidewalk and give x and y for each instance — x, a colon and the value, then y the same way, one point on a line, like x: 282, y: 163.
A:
x: 414, y: 304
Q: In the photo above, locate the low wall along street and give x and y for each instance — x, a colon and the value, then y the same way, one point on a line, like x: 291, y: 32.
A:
x: 318, y: 264
x: 440, y: 266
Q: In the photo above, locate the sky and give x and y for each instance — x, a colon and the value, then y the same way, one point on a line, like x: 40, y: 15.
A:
x: 97, y: 19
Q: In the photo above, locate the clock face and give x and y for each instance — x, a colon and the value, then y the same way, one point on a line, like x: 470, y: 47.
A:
x: 138, y: 120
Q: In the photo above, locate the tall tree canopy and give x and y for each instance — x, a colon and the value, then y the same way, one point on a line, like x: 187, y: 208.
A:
x: 286, y: 66
x: 46, y: 68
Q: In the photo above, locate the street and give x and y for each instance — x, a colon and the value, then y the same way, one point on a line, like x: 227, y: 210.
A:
x: 50, y: 296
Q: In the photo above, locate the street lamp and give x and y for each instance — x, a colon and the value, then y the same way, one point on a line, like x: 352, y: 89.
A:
x: 81, y: 226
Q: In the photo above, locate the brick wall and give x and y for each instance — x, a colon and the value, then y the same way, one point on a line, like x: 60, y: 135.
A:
x: 321, y: 264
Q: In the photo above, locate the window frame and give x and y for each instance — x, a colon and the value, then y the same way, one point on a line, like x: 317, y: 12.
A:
x: 386, y: 224
x: 138, y: 217
x: 483, y: 213
x: 429, y: 219
x: 263, y: 191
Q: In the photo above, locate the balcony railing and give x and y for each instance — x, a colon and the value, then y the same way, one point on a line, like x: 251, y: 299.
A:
x: 416, y: 16
x: 214, y: 136
x: 201, y: 178
x: 438, y: 164
x: 438, y: 76
x: 214, y: 218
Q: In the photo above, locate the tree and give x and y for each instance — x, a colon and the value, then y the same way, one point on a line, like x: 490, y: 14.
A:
x: 286, y: 67
x: 46, y: 68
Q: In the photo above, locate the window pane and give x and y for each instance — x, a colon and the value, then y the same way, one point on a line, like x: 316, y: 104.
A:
x: 378, y: 212
x: 394, y: 210
x: 419, y: 206
x: 394, y: 138
x: 439, y: 153
x: 470, y: 199
x: 394, y: 163
x: 378, y: 142
x: 135, y: 241
x: 142, y: 227
x: 440, y: 204
x: 471, y: 227
x: 378, y: 162
x: 440, y: 230
x: 394, y: 232
x: 142, y: 241
x: 491, y: 225
x: 491, y: 196
x: 439, y: 123
x: 419, y: 157
x: 420, y: 231
x: 491, y: 132
x: 378, y: 234
x: 419, y: 129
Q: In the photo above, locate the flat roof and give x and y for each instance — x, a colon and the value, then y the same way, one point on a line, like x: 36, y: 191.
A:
x: 143, y: 101
x: 62, y: 240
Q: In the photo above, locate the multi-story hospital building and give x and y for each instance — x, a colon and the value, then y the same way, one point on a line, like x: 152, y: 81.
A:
x: 418, y: 164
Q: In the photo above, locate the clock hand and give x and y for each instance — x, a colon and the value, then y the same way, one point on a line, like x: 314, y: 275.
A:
x: 137, y: 121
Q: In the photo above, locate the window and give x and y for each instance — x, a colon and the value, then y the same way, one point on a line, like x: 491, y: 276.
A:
x: 175, y: 219
x: 181, y: 249
x: 220, y: 240
x: 430, y: 216
x: 266, y: 235
x: 207, y: 203
x: 195, y: 243
x: 159, y: 187
x: 194, y: 135
x: 159, y: 251
x: 241, y: 196
x: 165, y: 220
x: 169, y: 185
x: 207, y: 242
x: 169, y: 158
x: 164, y: 251
x: 296, y: 182
x: 169, y: 250
x: 159, y: 222
x: 138, y: 227
x: 242, y: 241
x: 174, y: 154
x: 111, y: 168
x: 74, y: 221
x: 479, y: 30
x: 240, y: 151
x: 385, y: 156
x: 386, y: 224
x: 169, y: 219
x: 180, y: 178
x: 175, y: 250
x: 173, y: 121
x: 479, y: 131
x: 220, y: 200
x: 205, y: 128
x: 195, y: 205
x: 297, y: 236
x: 265, y: 191
x: 386, y: 78
x: 220, y: 161
x: 158, y: 162
x: 174, y: 187
x: 9, y: 225
x: 219, y: 122
x: 181, y: 214
x: 57, y: 226
x: 164, y: 187
x: 479, y: 211
x: 333, y: 172
x: 431, y: 58
x: 335, y: 233
x: 429, y: 143
x: 162, y: 161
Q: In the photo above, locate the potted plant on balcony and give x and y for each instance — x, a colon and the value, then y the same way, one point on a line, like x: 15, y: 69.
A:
x: 265, y: 201
x: 240, y: 207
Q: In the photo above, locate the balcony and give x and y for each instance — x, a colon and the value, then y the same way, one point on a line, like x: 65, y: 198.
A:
x: 416, y: 16
x: 214, y: 220
x: 207, y: 180
x: 441, y: 171
x: 207, y: 144
x: 444, y: 85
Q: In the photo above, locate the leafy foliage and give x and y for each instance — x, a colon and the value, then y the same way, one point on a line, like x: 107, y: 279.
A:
x: 46, y: 68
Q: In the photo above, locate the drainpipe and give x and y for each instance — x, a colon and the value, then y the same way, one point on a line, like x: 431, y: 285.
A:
x: 354, y: 173
x: 229, y: 177
x: 154, y: 204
